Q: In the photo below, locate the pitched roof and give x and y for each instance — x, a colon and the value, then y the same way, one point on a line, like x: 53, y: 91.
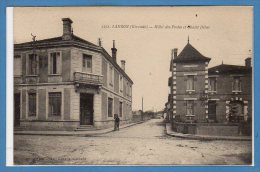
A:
x: 59, y: 39
x: 75, y: 41
x: 190, y: 54
x: 229, y: 69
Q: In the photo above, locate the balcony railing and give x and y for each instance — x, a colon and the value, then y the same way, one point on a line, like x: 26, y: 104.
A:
x: 87, y: 78
x: 18, y: 80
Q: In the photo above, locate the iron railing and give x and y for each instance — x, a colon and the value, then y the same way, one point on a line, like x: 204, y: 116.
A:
x: 88, y: 78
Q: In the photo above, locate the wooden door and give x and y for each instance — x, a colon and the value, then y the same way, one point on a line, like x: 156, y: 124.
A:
x: 86, y: 109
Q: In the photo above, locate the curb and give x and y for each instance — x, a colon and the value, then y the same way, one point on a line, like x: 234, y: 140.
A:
x: 73, y: 133
x: 203, y: 138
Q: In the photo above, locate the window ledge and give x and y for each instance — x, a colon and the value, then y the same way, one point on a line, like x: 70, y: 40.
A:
x: 54, y: 74
x: 190, y: 115
x: 236, y: 91
x: 190, y: 90
x: 31, y: 75
x: 212, y: 91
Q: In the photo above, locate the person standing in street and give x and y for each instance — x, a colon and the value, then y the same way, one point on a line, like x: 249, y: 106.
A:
x: 117, y: 122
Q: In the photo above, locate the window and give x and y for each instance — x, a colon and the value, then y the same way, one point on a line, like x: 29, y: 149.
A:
x: 17, y: 65
x: 111, y: 75
x: 190, y: 82
x: 55, y: 104
x: 55, y: 63
x: 213, y: 84
x: 121, y: 84
x: 110, y: 107
x: 236, y: 84
x: 87, y: 63
x: 120, y: 109
x: 32, y: 104
x: 190, y: 108
x: 32, y: 64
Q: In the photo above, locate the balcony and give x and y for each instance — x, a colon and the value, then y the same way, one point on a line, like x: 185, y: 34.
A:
x: 18, y: 80
x: 86, y: 78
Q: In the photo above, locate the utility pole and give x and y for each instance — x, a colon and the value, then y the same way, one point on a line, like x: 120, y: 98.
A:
x: 142, y: 108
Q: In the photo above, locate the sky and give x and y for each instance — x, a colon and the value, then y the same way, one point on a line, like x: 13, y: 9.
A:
x: 225, y: 34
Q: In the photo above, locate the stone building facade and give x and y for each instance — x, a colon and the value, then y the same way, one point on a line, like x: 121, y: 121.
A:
x: 66, y: 82
x: 221, y: 94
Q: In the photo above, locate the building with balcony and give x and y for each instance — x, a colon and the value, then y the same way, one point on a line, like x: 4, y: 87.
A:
x: 66, y: 82
x: 202, y: 96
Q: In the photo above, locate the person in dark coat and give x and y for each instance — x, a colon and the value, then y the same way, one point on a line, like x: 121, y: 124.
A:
x: 117, y: 122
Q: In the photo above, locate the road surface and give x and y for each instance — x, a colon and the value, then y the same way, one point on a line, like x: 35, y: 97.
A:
x: 142, y: 144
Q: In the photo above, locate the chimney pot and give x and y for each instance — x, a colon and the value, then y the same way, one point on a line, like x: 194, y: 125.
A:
x: 67, y: 29
x: 248, y: 62
x: 175, y: 52
x: 123, y: 64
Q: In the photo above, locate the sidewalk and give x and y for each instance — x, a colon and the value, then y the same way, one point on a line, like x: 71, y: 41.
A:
x: 204, y: 137
x: 74, y: 133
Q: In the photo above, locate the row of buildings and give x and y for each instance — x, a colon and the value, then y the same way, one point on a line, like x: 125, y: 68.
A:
x: 199, y: 95
x: 66, y: 82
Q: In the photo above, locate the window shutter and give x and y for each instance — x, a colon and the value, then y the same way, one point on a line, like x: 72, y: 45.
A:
x: 58, y: 58
x: 51, y: 64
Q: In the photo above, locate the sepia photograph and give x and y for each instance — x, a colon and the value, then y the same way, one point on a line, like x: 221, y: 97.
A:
x: 132, y: 86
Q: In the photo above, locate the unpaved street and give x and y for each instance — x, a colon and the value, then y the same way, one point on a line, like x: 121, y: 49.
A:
x: 142, y: 144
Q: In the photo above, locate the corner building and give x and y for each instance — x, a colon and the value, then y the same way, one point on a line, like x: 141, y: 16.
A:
x: 68, y: 83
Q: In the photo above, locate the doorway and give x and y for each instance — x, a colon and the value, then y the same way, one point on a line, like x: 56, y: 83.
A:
x: 212, y: 111
x: 17, y: 109
x: 86, y: 109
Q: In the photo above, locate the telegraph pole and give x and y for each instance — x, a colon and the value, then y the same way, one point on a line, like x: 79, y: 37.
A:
x: 142, y: 108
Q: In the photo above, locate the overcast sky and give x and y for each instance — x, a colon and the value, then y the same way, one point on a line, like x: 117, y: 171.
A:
x: 226, y: 36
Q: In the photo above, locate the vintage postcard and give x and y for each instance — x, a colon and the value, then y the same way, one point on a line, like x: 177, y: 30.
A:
x: 141, y: 86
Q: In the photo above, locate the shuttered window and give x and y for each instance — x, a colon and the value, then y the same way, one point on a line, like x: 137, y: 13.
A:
x: 87, y: 63
x: 110, y: 107
x: 55, y: 104
x: 55, y: 63
x: 17, y: 65
x: 212, y: 84
x: 32, y: 64
x: 120, y: 109
x: 190, y: 82
x: 32, y: 104
x: 236, y: 84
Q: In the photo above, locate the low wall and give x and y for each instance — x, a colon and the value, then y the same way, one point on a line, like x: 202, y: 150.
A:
x: 215, y: 129
x: 138, y: 118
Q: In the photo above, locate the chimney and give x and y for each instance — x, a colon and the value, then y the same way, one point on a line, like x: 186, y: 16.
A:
x: 114, y: 50
x: 67, y: 29
x: 123, y: 64
x: 99, y: 42
x: 175, y: 50
x: 248, y: 62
